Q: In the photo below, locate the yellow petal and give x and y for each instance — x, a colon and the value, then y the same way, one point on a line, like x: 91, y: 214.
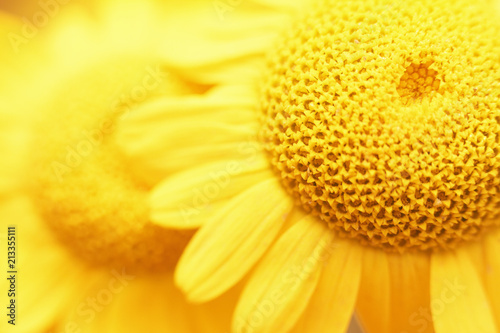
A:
x: 84, y: 310
x: 182, y: 159
x: 373, y: 304
x: 410, y: 293
x: 223, y: 251
x: 293, y: 6
x: 458, y: 299
x: 231, y: 104
x: 282, y: 284
x: 172, y: 134
x: 165, y: 137
x: 14, y: 135
x: 477, y: 254
x: 492, y: 274
x: 188, y: 199
x: 332, y: 304
x: 132, y: 309
x: 222, y: 42
x: 208, y: 320
x: 166, y: 311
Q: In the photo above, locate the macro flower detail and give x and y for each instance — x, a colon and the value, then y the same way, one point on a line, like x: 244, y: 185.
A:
x: 374, y: 182
x: 387, y: 137
x: 281, y: 167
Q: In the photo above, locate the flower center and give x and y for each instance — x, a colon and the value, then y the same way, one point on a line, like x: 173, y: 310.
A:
x: 417, y: 81
x: 384, y: 122
x: 84, y: 186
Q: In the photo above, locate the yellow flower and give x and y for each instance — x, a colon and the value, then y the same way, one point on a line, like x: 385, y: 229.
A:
x: 372, y: 181
x: 78, y: 248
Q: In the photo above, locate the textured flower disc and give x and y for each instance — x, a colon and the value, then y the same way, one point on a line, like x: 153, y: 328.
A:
x: 85, y: 187
x: 382, y: 119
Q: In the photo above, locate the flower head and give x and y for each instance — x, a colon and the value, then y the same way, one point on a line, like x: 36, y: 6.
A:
x: 387, y: 136
x: 374, y: 180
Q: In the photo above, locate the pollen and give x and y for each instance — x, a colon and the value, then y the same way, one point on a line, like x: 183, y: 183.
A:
x: 84, y: 187
x: 382, y: 120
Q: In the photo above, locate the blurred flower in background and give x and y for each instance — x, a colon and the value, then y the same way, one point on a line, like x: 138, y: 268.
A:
x: 88, y: 259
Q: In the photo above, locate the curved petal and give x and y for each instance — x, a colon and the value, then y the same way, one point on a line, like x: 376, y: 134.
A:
x: 373, y: 303
x: 216, y: 315
x: 225, y: 249
x: 172, y: 134
x: 221, y: 41
x: 169, y: 137
x: 410, y: 293
x: 149, y: 303
x: 280, y: 288
x: 458, y: 300
x: 229, y: 104
x: 492, y: 274
x: 332, y: 304
x: 166, y: 311
x: 294, y: 6
x: 395, y: 293
x: 190, y: 198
